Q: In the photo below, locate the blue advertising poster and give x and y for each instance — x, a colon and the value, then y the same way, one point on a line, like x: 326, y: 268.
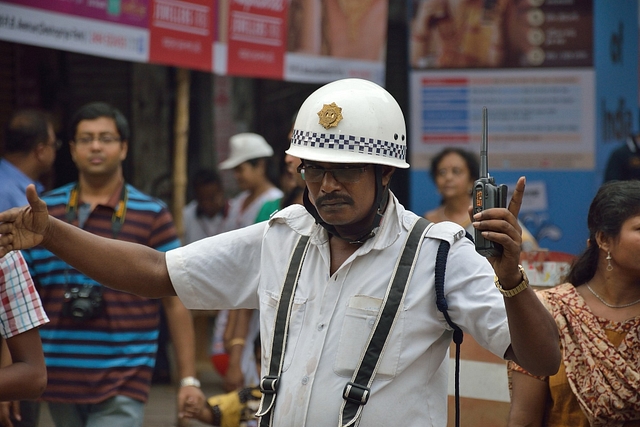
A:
x: 560, y: 95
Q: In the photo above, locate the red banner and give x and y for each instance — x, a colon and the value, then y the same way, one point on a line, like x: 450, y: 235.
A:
x: 181, y: 33
x: 292, y: 40
x: 257, y: 38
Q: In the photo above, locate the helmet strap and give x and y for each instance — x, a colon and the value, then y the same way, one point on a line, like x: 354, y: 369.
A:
x: 377, y: 209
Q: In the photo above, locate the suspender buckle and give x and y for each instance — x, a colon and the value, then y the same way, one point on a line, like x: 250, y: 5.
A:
x: 356, y: 393
x: 269, y: 384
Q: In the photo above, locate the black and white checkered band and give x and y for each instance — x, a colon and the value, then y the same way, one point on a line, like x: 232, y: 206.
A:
x: 350, y: 143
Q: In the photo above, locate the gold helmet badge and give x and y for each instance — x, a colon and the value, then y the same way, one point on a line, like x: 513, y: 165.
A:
x: 330, y: 115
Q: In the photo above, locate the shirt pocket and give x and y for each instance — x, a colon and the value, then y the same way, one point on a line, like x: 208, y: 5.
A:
x: 268, y: 310
x: 360, y: 317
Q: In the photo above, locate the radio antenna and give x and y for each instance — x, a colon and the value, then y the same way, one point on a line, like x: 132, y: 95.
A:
x: 484, y: 167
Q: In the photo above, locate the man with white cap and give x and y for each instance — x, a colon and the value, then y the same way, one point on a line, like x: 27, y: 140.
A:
x: 249, y: 159
x: 321, y: 275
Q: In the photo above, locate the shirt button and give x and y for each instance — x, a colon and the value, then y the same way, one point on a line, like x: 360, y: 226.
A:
x: 305, y: 380
x: 320, y: 326
x: 371, y: 322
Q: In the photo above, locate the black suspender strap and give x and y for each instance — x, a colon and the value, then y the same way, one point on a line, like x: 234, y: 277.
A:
x: 269, y: 383
x: 356, y: 392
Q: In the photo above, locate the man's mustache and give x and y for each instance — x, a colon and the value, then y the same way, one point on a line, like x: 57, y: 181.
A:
x: 332, y: 198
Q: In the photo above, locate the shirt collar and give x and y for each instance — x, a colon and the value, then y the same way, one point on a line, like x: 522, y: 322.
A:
x: 114, y: 198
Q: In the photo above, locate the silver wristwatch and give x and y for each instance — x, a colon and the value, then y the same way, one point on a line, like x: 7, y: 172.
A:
x: 189, y: 381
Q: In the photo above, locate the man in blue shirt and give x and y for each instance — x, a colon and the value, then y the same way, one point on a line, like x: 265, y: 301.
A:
x: 30, y: 147
x: 29, y: 152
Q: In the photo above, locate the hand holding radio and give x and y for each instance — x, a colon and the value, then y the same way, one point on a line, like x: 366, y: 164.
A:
x: 497, y: 233
x: 487, y: 195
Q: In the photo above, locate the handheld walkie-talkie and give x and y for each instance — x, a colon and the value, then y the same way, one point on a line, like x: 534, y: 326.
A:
x: 487, y: 195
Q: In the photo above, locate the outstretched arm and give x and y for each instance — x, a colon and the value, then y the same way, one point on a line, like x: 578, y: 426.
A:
x: 534, y: 334
x: 124, y: 266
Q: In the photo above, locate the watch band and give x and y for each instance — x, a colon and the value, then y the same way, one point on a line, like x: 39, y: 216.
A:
x: 515, y: 291
x: 190, y: 381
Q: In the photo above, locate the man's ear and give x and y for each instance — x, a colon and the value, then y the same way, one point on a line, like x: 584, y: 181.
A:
x: 387, y: 172
x: 39, y: 149
x: 124, y: 149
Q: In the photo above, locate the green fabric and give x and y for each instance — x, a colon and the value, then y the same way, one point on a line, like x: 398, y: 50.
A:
x: 268, y: 209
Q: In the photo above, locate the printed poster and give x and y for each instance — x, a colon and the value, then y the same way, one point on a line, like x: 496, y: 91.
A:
x: 500, y: 33
x: 87, y: 30
x: 182, y: 33
x: 256, y: 38
x: 334, y: 39
x: 537, y: 119
x: 125, y: 12
x: 308, y: 41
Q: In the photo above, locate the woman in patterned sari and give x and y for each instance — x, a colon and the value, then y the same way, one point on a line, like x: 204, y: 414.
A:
x: 598, y: 315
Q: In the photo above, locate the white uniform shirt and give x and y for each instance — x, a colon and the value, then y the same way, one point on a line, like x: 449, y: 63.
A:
x: 332, y: 316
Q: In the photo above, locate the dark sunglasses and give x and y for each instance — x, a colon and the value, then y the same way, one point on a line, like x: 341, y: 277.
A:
x: 344, y: 174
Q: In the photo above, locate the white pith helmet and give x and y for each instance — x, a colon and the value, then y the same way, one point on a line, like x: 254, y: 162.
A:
x: 350, y: 121
x: 246, y: 146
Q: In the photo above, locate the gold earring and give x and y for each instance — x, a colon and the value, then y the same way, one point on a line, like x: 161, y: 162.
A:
x: 609, y: 266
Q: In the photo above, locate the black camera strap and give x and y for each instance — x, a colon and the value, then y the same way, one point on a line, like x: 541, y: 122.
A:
x: 117, y: 219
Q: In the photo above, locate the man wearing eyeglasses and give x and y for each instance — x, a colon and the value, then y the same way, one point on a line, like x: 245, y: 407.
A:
x: 320, y: 275
x: 30, y: 147
x: 100, y: 345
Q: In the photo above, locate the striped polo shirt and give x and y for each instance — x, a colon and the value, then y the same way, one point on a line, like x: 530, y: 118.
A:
x: 113, y: 353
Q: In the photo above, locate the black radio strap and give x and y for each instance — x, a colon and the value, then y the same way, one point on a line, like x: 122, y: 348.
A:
x: 441, y: 303
x: 356, y: 392
x: 269, y: 383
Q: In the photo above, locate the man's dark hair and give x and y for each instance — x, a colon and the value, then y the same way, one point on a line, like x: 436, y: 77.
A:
x: 95, y: 110
x: 25, y: 130
x: 471, y: 160
x: 204, y: 177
